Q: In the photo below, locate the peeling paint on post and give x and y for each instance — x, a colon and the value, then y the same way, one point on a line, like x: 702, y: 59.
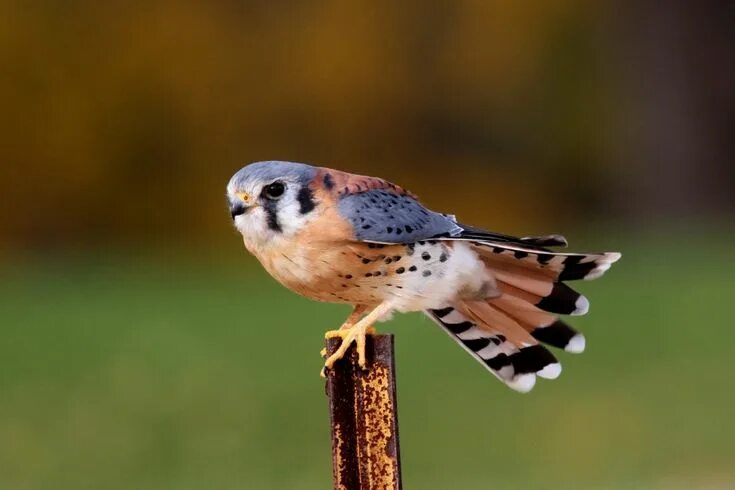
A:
x: 363, y: 414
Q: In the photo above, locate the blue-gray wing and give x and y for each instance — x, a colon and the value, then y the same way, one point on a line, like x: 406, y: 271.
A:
x: 384, y: 217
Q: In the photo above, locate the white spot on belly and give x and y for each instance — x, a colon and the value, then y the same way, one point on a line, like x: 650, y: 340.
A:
x: 462, y: 270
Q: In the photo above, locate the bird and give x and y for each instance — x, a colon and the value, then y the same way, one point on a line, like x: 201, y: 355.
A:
x: 338, y: 237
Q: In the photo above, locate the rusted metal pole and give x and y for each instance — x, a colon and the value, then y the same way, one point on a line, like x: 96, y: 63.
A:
x: 363, y: 414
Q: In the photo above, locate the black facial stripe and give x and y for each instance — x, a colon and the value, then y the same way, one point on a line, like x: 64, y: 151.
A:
x: 306, y: 200
x: 328, y: 181
x: 271, y: 211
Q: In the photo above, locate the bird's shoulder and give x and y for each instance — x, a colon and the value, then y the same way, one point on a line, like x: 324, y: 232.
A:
x: 378, y: 210
x: 338, y: 184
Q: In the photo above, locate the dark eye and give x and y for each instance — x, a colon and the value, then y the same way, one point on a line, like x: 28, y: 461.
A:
x: 274, y: 190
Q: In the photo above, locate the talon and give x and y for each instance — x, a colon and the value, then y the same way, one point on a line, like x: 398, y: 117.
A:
x: 361, y: 351
x: 348, y: 336
x: 329, y: 363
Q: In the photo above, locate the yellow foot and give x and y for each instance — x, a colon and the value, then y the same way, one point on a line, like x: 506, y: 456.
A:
x: 356, y: 334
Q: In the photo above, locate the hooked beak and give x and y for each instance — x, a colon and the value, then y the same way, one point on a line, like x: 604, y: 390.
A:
x: 242, y: 205
x: 238, y: 208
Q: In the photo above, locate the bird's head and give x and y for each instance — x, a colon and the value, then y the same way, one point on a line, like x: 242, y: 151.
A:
x: 271, y: 200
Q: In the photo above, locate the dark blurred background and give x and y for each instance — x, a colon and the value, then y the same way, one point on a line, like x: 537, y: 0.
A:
x: 142, y: 348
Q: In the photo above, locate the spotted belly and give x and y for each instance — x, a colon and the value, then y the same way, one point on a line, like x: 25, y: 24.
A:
x: 416, y: 276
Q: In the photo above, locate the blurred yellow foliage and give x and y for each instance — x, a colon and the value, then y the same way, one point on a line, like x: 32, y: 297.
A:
x: 124, y: 120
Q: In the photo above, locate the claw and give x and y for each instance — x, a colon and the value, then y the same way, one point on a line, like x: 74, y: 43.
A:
x: 348, y: 336
x: 352, y: 331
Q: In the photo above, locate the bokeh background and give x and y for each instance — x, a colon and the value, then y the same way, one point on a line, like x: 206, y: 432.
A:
x: 141, y: 347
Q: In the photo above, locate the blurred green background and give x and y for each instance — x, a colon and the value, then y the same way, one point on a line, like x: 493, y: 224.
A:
x: 143, y: 348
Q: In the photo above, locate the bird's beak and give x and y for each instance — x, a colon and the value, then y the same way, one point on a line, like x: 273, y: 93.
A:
x: 238, y: 208
x: 242, y: 205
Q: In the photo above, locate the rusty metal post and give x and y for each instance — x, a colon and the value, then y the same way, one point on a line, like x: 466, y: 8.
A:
x: 363, y: 414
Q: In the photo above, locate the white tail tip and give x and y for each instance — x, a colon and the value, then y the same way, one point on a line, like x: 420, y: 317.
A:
x: 550, y: 371
x: 523, y: 383
x: 581, y: 306
x: 576, y: 344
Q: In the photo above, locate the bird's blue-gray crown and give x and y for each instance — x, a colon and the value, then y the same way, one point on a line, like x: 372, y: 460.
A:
x: 268, y: 171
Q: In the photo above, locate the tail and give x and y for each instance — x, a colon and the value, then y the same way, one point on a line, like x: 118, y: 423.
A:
x: 505, y: 332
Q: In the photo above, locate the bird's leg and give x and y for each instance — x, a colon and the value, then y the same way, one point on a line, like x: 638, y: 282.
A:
x: 357, y: 312
x: 356, y: 333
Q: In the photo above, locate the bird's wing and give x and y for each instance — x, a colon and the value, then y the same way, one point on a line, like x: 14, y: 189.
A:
x: 532, y: 242
x: 382, y: 212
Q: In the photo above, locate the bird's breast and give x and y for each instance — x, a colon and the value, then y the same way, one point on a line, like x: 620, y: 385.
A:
x: 412, y: 276
x: 307, y: 268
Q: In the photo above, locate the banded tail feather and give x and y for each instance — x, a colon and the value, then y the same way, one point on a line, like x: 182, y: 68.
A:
x: 515, y: 366
x: 561, y: 336
x: 504, y: 331
x: 559, y: 266
x: 545, y: 294
x: 542, y: 326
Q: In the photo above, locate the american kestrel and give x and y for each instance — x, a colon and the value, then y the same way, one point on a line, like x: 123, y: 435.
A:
x: 343, y: 238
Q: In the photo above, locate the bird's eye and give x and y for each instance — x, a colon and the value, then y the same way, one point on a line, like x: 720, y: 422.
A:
x: 274, y: 190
